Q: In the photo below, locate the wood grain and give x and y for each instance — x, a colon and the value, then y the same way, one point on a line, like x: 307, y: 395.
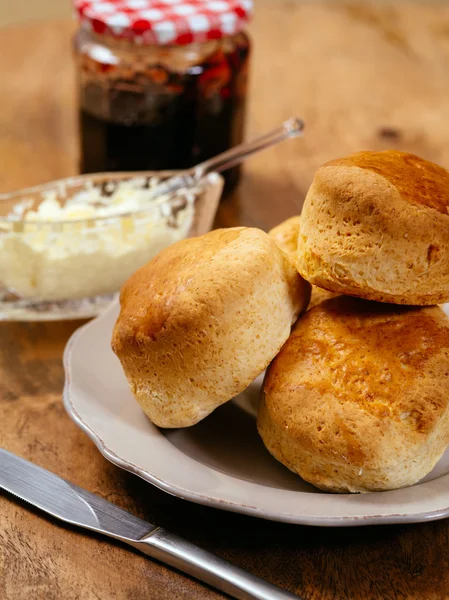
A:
x: 363, y: 75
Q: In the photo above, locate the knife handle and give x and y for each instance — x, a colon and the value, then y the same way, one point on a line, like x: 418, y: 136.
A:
x: 209, y: 568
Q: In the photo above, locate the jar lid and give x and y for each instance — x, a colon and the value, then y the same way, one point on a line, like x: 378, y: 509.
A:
x: 165, y: 22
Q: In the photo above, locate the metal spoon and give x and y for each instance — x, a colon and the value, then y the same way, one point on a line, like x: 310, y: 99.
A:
x: 190, y: 177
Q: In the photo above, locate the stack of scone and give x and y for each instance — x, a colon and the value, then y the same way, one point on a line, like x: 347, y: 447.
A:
x: 356, y: 396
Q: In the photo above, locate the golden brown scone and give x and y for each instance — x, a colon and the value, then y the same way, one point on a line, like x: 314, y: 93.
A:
x: 203, y: 319
x: 358, y: 398
x: 286, y: 237
x: 319, y: 295
x: 376, y: 225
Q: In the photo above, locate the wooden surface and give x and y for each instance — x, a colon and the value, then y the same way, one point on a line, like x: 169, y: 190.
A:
x: 363, y: 76
x: 21, y: 11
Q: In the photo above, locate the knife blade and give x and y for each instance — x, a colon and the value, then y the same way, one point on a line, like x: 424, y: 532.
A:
x: 66, y: 501
x: 72, y: 504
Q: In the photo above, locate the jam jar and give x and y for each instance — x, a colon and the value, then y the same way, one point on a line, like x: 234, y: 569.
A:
x: 162, y: 83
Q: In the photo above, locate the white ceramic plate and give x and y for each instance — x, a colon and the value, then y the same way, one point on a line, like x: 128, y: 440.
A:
x: 221, y: 461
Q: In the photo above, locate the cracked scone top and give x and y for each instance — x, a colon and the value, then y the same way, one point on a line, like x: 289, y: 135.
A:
x: 203, y: 319
x: 376, y: 225
x: 358, y: 398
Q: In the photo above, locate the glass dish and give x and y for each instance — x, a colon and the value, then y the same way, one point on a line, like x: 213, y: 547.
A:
x: 66, y: 247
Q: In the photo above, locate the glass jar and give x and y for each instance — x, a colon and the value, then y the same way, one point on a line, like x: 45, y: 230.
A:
x: 145, y: 104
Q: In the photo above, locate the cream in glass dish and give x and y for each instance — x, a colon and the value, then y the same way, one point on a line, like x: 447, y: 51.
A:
x: 66, y: 247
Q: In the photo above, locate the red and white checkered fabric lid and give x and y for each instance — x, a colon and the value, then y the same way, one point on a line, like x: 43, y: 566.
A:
x: 164, y: 22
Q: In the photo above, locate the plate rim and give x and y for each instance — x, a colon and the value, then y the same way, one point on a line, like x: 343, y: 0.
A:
x: 226, y: 504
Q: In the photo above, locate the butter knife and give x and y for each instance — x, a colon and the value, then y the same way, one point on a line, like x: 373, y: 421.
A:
x: 77, y: 506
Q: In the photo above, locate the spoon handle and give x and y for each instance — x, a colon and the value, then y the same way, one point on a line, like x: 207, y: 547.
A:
x: 289, y: 129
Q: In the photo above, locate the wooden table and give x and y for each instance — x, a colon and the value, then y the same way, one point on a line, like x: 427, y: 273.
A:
x: 363, y: 75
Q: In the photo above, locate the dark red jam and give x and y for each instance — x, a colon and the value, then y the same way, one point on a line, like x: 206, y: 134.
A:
x: 136, y: 116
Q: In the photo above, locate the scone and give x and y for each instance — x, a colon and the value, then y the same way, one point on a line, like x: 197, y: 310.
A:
x: 376, y: 225
x: 203, y: 319
x: 319, y: 295
x: 286, y: 237
x: 358, y: 398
